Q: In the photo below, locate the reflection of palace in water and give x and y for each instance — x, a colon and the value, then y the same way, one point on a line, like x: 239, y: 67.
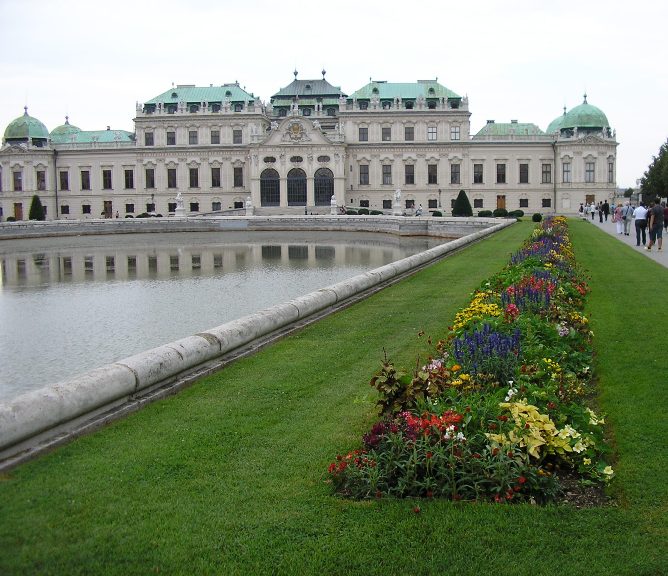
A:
x: 105, y: 264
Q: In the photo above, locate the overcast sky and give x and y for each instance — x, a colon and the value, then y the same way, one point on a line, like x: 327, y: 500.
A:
x: 525, y: 60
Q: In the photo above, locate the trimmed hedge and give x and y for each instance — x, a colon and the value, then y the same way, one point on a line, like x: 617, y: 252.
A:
x: 500, y: 213
x: 485, y: 214
x: 537, y: 217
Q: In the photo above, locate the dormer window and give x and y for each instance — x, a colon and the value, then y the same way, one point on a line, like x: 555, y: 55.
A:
x: 374, y: 91
x: 307, y: 87
x: 228, y: 93
x: 431, y: 91
x: 175, y: 95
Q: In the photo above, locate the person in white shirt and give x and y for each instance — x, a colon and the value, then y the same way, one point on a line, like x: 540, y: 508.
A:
x: 640, y: 217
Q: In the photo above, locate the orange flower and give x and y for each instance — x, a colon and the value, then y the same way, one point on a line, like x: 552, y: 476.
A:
x: 456, y: 367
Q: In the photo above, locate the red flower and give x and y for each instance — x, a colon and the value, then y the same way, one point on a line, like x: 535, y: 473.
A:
x: 521, y: 479
x: 495, y: 451
x: 429, y: 455
x: 503, y: 418
x: 416, y: 509
x: 332, y: 467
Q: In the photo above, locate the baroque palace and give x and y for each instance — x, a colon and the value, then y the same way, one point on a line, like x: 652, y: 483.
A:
x: 214, y: 148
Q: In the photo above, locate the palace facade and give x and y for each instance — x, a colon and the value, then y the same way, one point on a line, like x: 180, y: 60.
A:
x: 216, y: 147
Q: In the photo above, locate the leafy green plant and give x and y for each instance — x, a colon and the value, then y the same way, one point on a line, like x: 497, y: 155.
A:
x: 500, y: 213
x: 462, y: 206
x: 485, y: 214
x: 537, y: 217
x: 36, y: 209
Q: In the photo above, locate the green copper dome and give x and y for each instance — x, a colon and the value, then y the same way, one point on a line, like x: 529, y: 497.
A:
x: 557, y: 124
x: 26, y: 128
x: 585, y: 116
x: 65, y: 129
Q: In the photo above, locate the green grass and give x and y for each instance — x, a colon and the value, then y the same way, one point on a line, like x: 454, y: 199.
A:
x: 228, y: 476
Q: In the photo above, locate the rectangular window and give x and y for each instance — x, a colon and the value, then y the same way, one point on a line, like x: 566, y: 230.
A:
x: 477, y: 173
x: 524, y: 202
x: 454, y: 132
x: 410, y: 203
x: 500, y: 173
x: 65, y: 210
x: 238, y: 177
x: 216, y: 206
x: 432, y: 203
x: 192, y: 137
x: 171, y: 177
x: 387, y: 174
x: 455, y: 174
x: 85, y: 208
x: 150, y: 178
x: 387, y: 204
x: 194, y: 206
x: 611, y: 172
x: 590, y: 171
x: 477, y: 203
x: 547, y: 174
x: 85, y: 180
x: 432, y: 174
x: 64, y: 180
x: 171, y: 206
x: 410, y: 174
x: 193, y: 177
x: 386, y: 134
x: 524, y: 173
x: 431, y: 133
x: 364, y: 134
x: 547, y: 202
x: 129, y: 208
x: 364, y: 203
x: 150, y: 207
x: 129, y: 178
x: 17, y: 181
x: 148, y: 138
x: 409, y: 133
x: 215, y: 177
x: 215, y: 136
x: 566, y: 172
x: 106, y: 179
x: 236, y: 137
x: 41, y: 180
x: 171, y: 138
x: 364, y: 174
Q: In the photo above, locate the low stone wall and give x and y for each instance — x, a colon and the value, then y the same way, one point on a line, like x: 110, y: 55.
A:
x: 32, y: 420
x: 399, y: 225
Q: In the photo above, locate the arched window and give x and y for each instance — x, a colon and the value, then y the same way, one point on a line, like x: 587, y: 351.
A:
x: 324, y: 186
x: 270, y: 188
x: 296, y: 187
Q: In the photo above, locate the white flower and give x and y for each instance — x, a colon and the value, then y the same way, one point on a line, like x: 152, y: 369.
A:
x: 461, y: 437
x: 511, y: 392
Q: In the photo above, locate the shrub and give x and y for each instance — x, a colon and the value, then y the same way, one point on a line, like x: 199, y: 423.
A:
x: 537, y: 217
x: 462, y: 205
x: 437, y: 213
x: 500, y: 213
x: 516, y: 213
x: 143, y: 215
x: 351, y: 212
x: 11, y: 219
x: 36, y: 209
x: 376, y: 212
x: 363, y: 211
x: 485, y: 214
x: 129, y: 216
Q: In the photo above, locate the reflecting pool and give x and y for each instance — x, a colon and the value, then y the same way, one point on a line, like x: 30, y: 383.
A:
x: 68, y: 305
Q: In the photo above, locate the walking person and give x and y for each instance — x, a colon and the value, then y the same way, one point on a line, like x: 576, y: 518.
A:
x: 599, y: 209
x: 640, y: 217
x: 618, y: 219
x: 606, y: 210
x: 655, y: 225
x: 627, y: 215
x: 665, y: 216
x: 581, y: 211
x: 592, y: 210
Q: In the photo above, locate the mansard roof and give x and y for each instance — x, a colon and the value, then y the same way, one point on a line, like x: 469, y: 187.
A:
x: 91, y: 136
x: 493, y: 128
x: 404, y: 90
x: 193, y: 94
x: 308, y: 89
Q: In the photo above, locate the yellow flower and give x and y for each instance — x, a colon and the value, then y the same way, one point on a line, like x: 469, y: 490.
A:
x: 608, y: 471
x: 586, y: 461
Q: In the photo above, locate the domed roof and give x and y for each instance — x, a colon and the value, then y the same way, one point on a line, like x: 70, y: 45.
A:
x: 65, y: 129
x: 25, y: 127
x: 556, y: 124
x: 585, y: 116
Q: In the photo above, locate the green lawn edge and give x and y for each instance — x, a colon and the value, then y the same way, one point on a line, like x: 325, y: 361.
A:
x: 228, y: 477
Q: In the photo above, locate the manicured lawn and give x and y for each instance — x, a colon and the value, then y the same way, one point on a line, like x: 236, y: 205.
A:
x: 228, y: 477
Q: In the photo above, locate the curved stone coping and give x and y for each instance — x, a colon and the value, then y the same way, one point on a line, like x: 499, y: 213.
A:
x: 444, y: 227
x: 51, y: 408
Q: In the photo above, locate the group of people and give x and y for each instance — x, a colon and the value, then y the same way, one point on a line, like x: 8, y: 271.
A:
x: 652, y: 219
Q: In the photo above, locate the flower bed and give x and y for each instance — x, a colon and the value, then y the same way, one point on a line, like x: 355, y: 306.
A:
x: 500, y: 411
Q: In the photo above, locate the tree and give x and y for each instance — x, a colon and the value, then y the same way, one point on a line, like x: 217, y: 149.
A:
x: 462, y: 205
x: 654, y: 183
x: 628, y: 193
x: 36, y: 209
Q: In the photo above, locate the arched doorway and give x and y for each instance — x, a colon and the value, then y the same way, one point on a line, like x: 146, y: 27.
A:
x: 270, y: 188
x: 324, y: 186
x: 296, y: 187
